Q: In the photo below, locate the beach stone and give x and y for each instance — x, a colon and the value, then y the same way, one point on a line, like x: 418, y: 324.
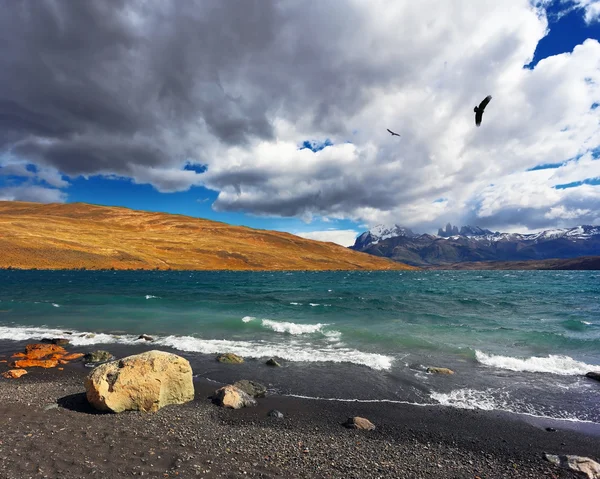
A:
x: 232, y: 397
x: 272, y: 362
x: 72, y: 356
x: 251, y: 388
x: 146, y: 337
x: 230, y: 358
x: 98, y: 357
x: 593, y: 375
x: 143, y: 382
x: 584, y: 465
x: 14, y: 373
x: 434, y: 370
x: 58, y: 341
x: 359, y: 423
x: 88, y: 335
x: 276, y: 414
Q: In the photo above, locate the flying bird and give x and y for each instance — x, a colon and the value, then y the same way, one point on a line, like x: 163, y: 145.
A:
x: 393, y: 134
x: 479, y: 109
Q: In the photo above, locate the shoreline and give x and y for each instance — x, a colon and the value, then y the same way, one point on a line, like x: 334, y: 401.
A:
x: 409, y: 440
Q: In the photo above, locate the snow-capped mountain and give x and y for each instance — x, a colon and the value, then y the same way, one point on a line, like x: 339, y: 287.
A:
x: 380, y: 233
x: 472, y: 243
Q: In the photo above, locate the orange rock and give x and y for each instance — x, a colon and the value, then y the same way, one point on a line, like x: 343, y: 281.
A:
x: 14, y: 373
x: 61, y: 369
x: 72, y: 356
x: 19, y: 355
x: 3, y: 361
x: 35, y: 363
x: 41, y: 351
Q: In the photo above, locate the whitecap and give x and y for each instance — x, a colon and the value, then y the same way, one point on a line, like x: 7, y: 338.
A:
x: 292, y: 352
x: 247, y: 319
x: 292, y: 328
x: 554, y: 364
x: 56, y: 305
x: 149, y: 296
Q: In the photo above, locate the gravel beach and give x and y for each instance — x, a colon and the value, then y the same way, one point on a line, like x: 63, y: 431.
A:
x: 50, y: 431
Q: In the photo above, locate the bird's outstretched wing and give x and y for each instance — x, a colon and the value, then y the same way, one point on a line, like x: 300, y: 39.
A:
x: 484, y: 102
x: 393, y: 134
x: 478, y: 116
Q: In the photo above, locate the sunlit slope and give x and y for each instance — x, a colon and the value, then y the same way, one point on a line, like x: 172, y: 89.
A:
x: 79, y: 235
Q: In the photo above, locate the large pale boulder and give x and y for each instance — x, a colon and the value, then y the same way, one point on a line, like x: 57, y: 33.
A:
x: 144, y: 382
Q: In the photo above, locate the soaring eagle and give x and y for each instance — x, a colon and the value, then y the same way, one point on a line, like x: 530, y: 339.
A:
x: 393, y: 134
x: 479, y: 109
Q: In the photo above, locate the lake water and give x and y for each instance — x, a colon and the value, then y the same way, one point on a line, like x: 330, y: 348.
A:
x: 518, y: 341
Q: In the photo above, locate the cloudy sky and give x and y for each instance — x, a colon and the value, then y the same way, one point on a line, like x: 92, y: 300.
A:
x: 273, y: 114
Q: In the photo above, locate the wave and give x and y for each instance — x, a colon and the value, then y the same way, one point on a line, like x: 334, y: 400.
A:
x: 554, y: 364
x: 149, y: 296
x: 290, y: 352
x: 293, y: 352
x: 76, y: 338
x: 292, y: 328
x: 492, y: 400
x: 247, y: 319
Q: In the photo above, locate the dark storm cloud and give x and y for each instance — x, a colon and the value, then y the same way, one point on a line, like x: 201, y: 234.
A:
x: 131, y: 73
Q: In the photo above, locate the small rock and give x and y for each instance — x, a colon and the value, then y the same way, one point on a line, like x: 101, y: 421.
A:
x: 272, y: 362
x: 231, y: 397
x: 550, y: 429
x: 585, y: 465
x: 145, y: 337
x: 593, y: 375
x: 230, y: 358
x: 68, y: 332
x: 276, y: 414
x: 89, y: 336
x: 14, y: 373
x: 51, y: 406
x: 98, y: 357
x: 434, y: 370
x: 251, y: 388
x: 359, y: 423
x: 57, y: 341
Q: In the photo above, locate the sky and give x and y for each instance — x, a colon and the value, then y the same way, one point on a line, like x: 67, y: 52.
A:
x: 274, y: 115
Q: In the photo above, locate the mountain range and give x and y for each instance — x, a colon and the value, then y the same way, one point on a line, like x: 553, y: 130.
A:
x: 83, y: 236
x: 473, y: 244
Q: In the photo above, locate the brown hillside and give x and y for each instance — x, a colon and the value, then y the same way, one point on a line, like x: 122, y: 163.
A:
x: 77, y: 235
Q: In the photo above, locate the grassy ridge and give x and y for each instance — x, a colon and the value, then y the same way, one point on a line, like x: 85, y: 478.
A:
x: 78, y: 235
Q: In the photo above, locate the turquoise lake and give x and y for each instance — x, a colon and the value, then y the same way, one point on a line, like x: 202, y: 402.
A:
x: 517, y: 341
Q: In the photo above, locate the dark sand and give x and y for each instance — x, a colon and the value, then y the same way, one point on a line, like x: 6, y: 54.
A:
x: 49, y: 430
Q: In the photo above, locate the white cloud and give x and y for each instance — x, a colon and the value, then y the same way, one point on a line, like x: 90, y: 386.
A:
x: 239, y: 93
x: 591, y: 8
x: 37, y: 194
x: 341, y: 237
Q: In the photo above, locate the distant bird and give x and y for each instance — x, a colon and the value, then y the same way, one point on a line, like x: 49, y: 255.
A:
x: 479, y: 109
x: 393, y: 134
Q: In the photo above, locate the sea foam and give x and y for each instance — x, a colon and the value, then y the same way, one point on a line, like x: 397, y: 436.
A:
x: 293, y: 352
x: 493, y: 400
x: 292, y: 328
x: 554, y: 364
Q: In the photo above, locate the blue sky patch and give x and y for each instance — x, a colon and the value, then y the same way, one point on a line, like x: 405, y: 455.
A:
x: 547, y: 166
x: 315, y: 145
x: 574, y: 184
x: 567, y: 30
